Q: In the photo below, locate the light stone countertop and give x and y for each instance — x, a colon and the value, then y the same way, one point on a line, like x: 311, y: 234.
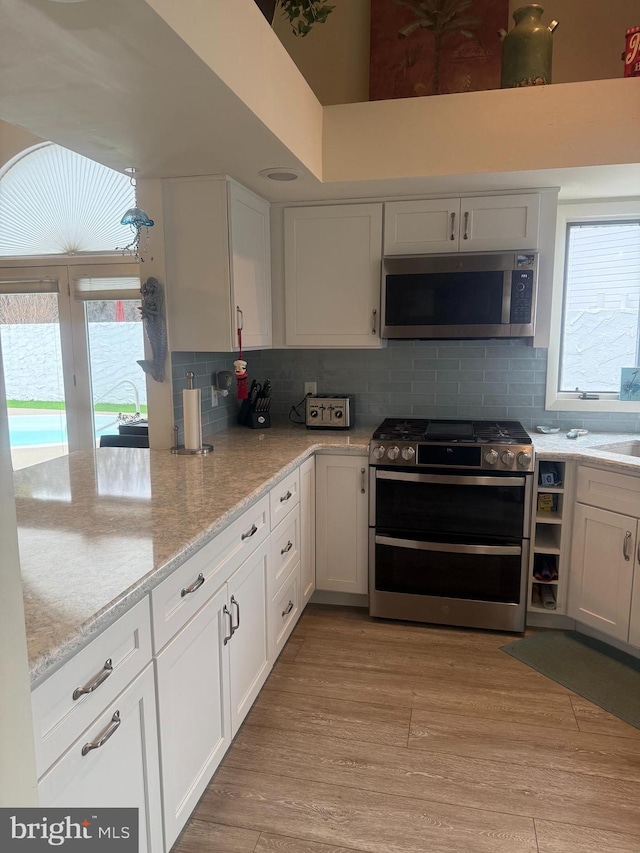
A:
x: 99, y: 529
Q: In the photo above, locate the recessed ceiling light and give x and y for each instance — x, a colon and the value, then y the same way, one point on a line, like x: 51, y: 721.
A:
x: 281, y: 174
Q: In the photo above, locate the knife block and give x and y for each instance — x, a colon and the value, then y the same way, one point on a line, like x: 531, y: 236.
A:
x: 259, y: 420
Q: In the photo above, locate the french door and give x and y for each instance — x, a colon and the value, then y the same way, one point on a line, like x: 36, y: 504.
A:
x: 69, y: 333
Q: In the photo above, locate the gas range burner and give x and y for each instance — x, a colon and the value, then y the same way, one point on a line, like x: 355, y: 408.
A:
x: 452, y: 432
x: 401, y: 430
x: 489, y: 445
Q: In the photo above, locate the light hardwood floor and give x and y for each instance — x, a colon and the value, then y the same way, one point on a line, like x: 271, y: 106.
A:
x: 388, y: 737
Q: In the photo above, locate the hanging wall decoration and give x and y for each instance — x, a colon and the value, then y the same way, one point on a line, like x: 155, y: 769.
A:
x: 136, y: 219
x: 436, y: 47
x: 155, y: 327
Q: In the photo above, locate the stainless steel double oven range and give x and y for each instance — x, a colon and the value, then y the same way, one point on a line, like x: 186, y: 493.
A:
x: 450, y: 517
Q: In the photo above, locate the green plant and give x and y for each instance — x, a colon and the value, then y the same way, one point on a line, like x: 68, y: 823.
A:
x: 443, y: 18
x: 303, y: 14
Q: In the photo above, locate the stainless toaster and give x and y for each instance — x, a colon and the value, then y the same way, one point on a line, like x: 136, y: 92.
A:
x: 329, y: 412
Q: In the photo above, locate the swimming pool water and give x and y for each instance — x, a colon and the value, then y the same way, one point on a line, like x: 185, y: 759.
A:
x: 38, y: 430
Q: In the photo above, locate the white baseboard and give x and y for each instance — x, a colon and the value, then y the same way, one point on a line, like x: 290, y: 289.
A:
x: 617, y: 644
x: 550, y: 620
x: 345, y: 599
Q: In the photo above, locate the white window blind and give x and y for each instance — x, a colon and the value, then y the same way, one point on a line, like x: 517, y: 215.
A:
x: 106, y: 288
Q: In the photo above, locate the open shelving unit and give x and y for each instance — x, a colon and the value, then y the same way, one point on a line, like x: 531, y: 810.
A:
x: 547, y: 574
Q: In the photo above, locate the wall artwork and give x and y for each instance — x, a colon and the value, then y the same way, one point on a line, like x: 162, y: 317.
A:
x: 630, y: 383
x: 435, y: 47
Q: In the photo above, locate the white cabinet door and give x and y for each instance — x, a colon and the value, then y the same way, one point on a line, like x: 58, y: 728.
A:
x: 217, y: 257
x: 499, y: 223
x: 123, y: 772
x: 194, y: 710
x: 341, y: 523
x: 421, y: 227
x: 249, y: 660
x: 332, y: 275
x: 602, y: 563
x: 307, y: 529
x: 634, y: 625
x: 250, y: 258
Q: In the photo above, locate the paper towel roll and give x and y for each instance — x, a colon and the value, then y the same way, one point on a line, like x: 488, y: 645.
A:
x: 192, y: 420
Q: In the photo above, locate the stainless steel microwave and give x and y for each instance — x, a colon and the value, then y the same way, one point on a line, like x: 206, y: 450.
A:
x: 460, y: 296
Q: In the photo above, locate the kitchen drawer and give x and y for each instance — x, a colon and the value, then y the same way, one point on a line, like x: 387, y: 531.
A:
x: 604, y: 489
x: 123, y: 771
x: 285, y: 610
x: 283, y: 497
x: 58, y: 718
x: 285, y: 549
x: 172, y: 602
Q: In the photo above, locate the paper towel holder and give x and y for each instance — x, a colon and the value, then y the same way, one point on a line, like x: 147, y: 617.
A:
x: 180, y: 449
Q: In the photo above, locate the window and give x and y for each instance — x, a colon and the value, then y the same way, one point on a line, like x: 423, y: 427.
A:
x: 595, y: 336
x: 70, y: 331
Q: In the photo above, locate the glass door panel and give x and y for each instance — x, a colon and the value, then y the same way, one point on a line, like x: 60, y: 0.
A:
x: 116, y: 344
x: 33, y: 371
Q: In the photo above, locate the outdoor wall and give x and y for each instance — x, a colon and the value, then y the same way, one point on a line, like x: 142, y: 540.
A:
x: 439, y: 379
x: 334, y: 57
x: 30, y: 351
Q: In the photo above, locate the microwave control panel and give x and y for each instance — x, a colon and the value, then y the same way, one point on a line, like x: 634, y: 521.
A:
x: 521, y: 297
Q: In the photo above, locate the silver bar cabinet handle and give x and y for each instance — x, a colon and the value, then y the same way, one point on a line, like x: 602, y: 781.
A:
x: 363, y: 481
x: 235, y: 627
x: 194, y: 586
x: 466, y: 225
x: 250, y: 533
x: 452, y: 236
x: 288, y: 547
x: 625, y: 547
x: 285, y: 497
x: 240, y: 317
x: 374, y: 317
x: 288, y: 609
x: 107, y: 669
x: 227, y: 612
x: 104, y: 737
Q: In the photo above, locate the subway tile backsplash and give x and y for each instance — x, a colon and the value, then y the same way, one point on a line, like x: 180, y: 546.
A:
x: 426, y: 379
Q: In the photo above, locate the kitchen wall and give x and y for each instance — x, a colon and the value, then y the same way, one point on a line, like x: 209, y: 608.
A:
x: 587, y: 44
x: 441, y: 379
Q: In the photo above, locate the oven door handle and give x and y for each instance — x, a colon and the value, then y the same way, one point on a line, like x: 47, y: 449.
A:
x: 445, y: 479
x: 450, y: 548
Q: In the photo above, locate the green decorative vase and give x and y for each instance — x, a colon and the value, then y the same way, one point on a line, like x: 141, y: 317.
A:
x: 527, y: 50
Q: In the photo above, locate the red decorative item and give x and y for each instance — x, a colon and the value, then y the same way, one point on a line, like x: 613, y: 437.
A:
x: 632, y: 53
x: 240, y: 369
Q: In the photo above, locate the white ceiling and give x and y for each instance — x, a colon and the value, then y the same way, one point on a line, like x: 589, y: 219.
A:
x: 111, y: 80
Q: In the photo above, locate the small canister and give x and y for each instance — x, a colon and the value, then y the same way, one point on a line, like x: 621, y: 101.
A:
x: 632, y: 53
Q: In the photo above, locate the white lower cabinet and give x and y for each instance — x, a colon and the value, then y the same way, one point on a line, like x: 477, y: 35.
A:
x: 194, y: 710
x: 605, y: 554
x: 342, y: 502
x: 249, y: 662
x: 114, y: 763
x: 602, y: 568
x: 208, y: 677
x: 307, y: 529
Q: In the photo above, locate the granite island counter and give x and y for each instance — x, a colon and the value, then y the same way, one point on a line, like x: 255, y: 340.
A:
x: 99, y: 529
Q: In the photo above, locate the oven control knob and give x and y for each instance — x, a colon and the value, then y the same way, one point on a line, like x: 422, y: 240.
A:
x: 524, y: 459
x: 393, y: 452
x: 408, y: 453
x: 508, y: 456
x: 378, y: 452
x: 491, y: 457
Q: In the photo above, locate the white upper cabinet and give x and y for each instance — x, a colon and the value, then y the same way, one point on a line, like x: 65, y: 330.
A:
x: 332, y: 275
x: 217, y: 244
x: 475, y: 224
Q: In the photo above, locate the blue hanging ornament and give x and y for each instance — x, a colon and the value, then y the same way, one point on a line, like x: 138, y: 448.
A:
x: 136, y: 219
